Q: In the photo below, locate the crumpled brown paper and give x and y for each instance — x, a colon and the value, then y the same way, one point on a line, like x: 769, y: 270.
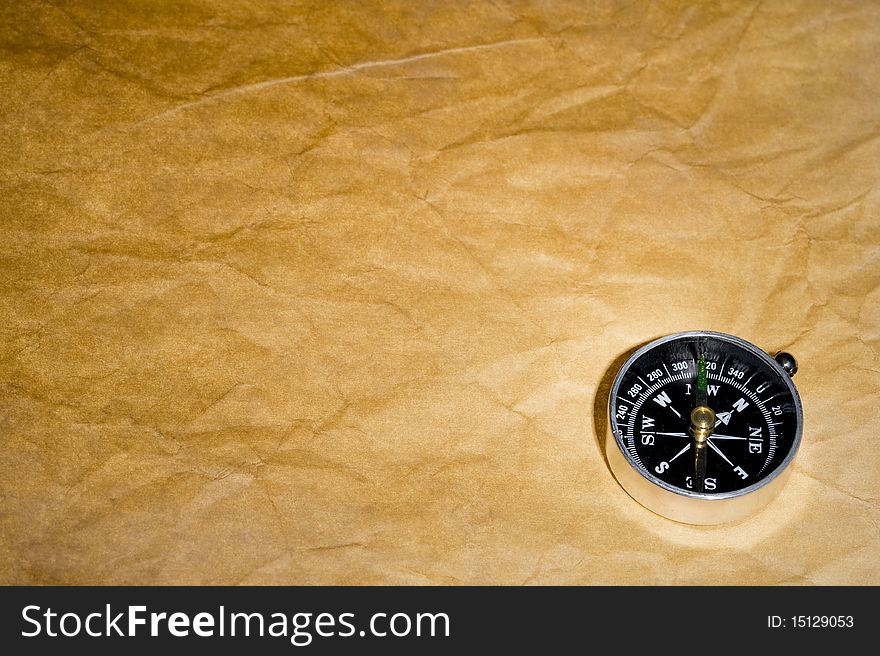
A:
x: 320, y: 293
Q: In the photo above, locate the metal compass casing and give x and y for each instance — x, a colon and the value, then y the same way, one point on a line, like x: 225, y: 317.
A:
x: 703, y: 426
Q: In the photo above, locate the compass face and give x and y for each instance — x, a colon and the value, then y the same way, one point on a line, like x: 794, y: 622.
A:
x: 757, y: 424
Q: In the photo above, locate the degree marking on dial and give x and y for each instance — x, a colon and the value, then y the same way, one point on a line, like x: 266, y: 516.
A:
x: 667, y: 370
x: 644, y: 396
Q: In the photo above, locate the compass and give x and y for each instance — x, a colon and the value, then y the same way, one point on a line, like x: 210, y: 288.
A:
x: 703, y: 426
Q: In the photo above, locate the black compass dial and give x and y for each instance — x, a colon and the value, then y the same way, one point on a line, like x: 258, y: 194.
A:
x: 755, y: 406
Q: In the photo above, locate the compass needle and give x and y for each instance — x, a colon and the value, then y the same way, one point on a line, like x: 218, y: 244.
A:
x: 702, y: 419
x: 702, y: 382
x: 667, y: 402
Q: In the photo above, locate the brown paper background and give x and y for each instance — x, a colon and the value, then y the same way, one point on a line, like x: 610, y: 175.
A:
x: 329, y: 292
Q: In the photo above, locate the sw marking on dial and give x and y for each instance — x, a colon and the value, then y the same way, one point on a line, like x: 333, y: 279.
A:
x: 754, y: 410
